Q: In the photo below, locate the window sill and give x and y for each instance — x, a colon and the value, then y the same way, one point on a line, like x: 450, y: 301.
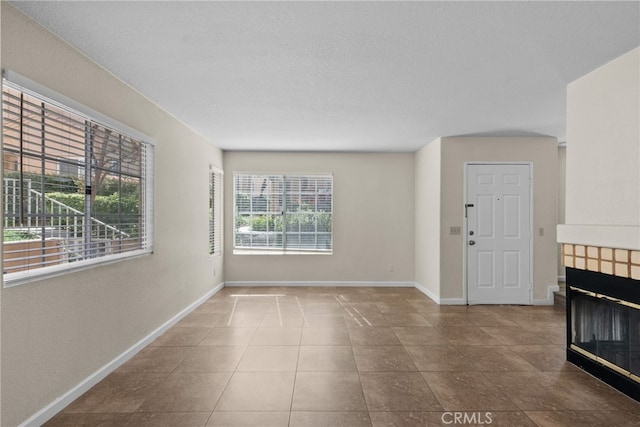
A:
x: 278, y: 252
x: 23, y: 278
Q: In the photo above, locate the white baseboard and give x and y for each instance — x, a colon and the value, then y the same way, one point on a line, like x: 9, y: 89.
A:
x: 427, y: 292
x: 549, y: 301
x: 438, y: 300
x: 46, y: 413
x: 322, y: 283
x: 452, y: 301
x: 460, y: 301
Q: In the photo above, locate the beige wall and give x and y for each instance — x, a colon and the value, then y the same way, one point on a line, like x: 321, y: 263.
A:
x: 562, y: 195
x: 57, y: 332
x: 603, y: 156
x: 543, y: 153
x: 427, y: 218
x: 372, y: 223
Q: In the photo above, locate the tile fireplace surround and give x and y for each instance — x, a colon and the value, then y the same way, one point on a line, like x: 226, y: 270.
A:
x: 603, y: 313
x: 616, y: 262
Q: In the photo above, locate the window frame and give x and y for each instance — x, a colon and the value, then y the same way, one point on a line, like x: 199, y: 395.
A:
x: 282, y: 205
x: 146, y: 181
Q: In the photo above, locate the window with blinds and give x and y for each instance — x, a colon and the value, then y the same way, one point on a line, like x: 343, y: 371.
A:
x: 76, y: 191
x: 289, y: 213
x: 215, y: 212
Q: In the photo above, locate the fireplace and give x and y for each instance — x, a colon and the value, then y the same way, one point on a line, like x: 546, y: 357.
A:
x: 603, y: 327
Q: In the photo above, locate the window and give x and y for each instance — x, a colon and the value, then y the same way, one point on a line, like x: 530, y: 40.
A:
x: 215, y: 211
x: 283, y: 213
x: 76, y: 190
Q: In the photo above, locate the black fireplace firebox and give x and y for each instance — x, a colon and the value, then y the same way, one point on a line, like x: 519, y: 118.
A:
x: 603, y: 328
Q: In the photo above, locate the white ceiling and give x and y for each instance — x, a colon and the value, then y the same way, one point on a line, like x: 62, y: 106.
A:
x: 350, y: 76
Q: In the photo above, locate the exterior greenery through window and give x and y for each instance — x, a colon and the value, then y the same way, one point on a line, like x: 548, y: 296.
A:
x: 215, y: 211
x: 74, y: 189
x: 283, y: 212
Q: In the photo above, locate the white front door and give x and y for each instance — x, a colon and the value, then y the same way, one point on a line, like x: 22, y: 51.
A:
x: 498, y: 240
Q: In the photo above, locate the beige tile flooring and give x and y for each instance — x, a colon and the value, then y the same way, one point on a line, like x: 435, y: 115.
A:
x: 328, y: 356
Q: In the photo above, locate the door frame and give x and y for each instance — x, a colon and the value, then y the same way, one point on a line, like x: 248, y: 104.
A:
x: 465, y: 234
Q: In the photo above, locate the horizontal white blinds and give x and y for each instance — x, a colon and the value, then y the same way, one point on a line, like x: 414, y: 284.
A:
x: 54, y: 98
x: 75, y: 190
x: 284, y: 212
x: 215, y: 212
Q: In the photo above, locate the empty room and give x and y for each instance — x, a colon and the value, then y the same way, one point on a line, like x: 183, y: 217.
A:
x: 234, y: 213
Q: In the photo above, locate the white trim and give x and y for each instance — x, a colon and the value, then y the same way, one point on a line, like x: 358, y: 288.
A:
x: 440, y: 301
x: 321, y: 283
x: 549, y: 301
x: 281, y: 252
x: 427, y: 292
x: 606, y: 236
x: 30, y: 276
x: 453, y: 301
x: 70, y: 104
x: 57, y: 405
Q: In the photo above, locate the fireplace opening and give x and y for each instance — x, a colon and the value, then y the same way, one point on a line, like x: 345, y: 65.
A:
x: 603, y: 328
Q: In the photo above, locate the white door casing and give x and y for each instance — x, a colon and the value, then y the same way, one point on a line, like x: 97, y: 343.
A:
x: 498, y: 233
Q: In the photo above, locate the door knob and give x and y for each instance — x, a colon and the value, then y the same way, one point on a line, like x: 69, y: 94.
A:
x: 472, y: 242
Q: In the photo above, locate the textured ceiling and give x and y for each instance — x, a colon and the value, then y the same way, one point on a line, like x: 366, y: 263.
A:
x: 352, y: 76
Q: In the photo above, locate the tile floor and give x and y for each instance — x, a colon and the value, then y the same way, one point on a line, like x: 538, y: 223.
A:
x: 352, y: 357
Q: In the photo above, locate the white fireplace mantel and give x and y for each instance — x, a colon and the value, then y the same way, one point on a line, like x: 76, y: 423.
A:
x: 608, y: 236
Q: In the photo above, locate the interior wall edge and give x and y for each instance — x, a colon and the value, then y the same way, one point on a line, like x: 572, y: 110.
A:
x: 427, y: 292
